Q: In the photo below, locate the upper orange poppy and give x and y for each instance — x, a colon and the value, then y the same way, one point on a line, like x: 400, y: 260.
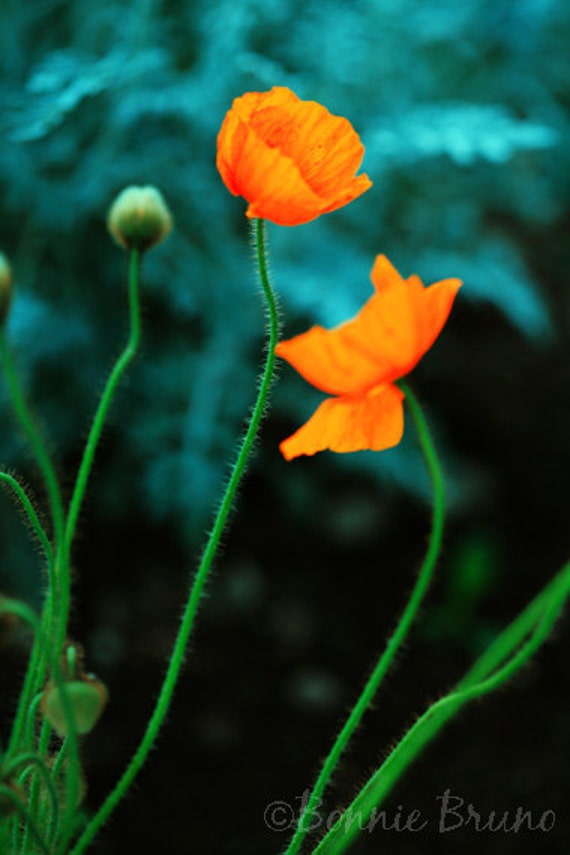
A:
x: 291, y: 160
x: 359, y: 361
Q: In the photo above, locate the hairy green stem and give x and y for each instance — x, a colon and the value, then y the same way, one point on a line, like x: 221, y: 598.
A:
x: 197, y: 586
x: 30, y: 761
x: 487, y: 674
x: 85, y: 468
x: 29, y: 822
x: 101, y: 413
x: 34, y: 437
x: 28, y: 509
x: 37, y: 664
x: 420, y: 588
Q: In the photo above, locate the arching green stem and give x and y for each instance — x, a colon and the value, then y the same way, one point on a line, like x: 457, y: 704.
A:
x: 535, y: 624
x: 30, y: 761
x: 32, y: 432
x: 37, y: 664
x: 402, y: 628
x: 27, y: 818
x: 28, y: 509
x: 101, y: 413
x: 197, y: 586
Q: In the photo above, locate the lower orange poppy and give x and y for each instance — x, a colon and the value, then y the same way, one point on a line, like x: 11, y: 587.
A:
x: 359, y: 361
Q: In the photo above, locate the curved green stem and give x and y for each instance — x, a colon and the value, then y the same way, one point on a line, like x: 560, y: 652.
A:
x: 28, y: 509
x: 21, y: 610
x: 37, y: 664
x: 34, y: 437
x: 197, y: 587
x: 511, y: 637
x: 29, y: 822
x: 31, y: 760
x: 101, y: 413
x: 73, y: 770
x: 31, y: 719
x: 85, y: 467
x: 402, y: 628
x: 537, y: 621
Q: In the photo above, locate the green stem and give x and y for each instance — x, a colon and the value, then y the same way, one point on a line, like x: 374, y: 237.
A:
x: 33, y: 518
x: 37, y: 664
x: 197, y: 587
x: 35, y: 673
x: 73, y: 770
x: 25, y: 703
x: 510, y: 638
x: 31, y: 719
x: 33, y: 435
x: 21, y: 610
x: 27, y: 829
x: 9, y: 794
x: 31, y: 760
x: 537, y: 621
x: 101, y: 413
x: 402, y: 628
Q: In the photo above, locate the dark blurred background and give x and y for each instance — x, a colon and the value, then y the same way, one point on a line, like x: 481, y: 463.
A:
x: 463, y: 109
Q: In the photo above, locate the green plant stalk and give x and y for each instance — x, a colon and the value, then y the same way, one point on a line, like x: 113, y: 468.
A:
x: 25, y: 613
x: 33, y: 518
x: 29, y: 822
x: 197, y: 587
x: 57, y: 606
x: 31, y: 760
x: 35, y: 675
x: 31, y: 720
x: 72, y: 772
x: 21, y: 610
x: 502, y: 646
x: 37, y: 664
x: 418, y: 593
x: 64, y: 553
x: 33, y: 435
x: 537, y: 621
x: 33, y: 795
x: 121, y: 365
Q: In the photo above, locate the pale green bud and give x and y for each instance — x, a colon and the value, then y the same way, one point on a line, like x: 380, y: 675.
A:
x: 139, y: 218
x: 87, y: 698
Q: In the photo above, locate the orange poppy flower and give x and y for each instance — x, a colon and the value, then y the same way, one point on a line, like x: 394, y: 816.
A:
x: 291, y: 160
x: 359, y: 361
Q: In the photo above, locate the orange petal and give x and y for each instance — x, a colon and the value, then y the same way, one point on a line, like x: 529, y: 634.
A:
x: 384, y: 275
x: 385, y: 340
x: 271, y: 183
x: 290, y: 159
x: 335, y: 361
x: 373, y: 421
x: 401, y: 322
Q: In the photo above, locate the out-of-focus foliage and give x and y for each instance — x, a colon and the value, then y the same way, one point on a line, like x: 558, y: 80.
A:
x: 463, y: 111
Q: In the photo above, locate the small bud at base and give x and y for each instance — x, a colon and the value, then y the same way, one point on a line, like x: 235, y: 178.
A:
x: 87, y: 698
x: 139, y: 218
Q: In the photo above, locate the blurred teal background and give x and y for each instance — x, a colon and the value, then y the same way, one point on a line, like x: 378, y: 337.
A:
x: 463, y: 110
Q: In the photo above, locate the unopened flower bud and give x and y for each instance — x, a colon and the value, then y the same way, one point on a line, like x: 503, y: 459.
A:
x: 139, y: 218
x: 87, y: 699
x: 5, y: 288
